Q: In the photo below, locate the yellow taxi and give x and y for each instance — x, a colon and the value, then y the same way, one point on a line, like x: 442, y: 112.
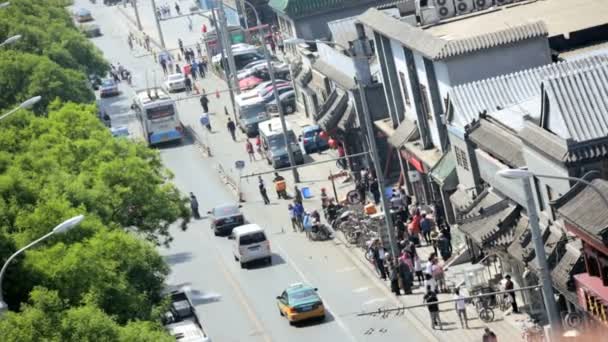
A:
x: 300, y: 302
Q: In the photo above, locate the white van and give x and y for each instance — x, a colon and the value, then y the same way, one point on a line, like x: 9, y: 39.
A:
x: 250, y: 243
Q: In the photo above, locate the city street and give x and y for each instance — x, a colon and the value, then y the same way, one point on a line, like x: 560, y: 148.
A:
x: 237, y: 304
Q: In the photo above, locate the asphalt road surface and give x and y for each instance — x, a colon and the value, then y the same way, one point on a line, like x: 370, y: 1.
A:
x: 239, y: 304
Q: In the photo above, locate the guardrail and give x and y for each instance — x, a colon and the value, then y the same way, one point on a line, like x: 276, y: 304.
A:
x: 232, y: 183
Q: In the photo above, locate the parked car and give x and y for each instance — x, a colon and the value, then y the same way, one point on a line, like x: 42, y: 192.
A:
x: 83, y: 15
x: 108, y: 88
x: 95, y: 81
x: 250, y: 117
x: 265, y: 96
x: 175, y: 82
x: 90, y: 30
x: 288, y: 103
x: 225, y: 217
x: 250, y: 82
x: 300, y: 302
x: 308, y: 139
x: 258, y: 90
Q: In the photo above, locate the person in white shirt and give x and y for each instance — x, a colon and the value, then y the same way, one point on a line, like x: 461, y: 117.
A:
x: 461, y: 308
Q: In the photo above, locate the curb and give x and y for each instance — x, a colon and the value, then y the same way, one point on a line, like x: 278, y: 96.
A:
x: 367, y: 270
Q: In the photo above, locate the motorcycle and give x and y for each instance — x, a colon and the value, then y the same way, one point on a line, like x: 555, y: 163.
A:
x: 320, y: 232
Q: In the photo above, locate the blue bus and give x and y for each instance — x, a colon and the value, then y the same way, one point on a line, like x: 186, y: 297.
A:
x: 158, y: 115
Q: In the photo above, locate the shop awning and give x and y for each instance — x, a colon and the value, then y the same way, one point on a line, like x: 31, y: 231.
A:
x: 444, y: 173
x: 489, y: 219
x: 405, y: 132
x: 423, y: 160
x: 349, y: 119
x: 330, y: 118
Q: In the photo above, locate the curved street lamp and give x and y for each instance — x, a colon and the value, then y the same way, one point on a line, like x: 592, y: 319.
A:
x: 10, y: 40
x: 61, y: 228
x: 27, y: 104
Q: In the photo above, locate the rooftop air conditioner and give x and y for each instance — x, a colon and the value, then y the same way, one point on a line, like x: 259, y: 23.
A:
x: 464, y: 6
x: 445, y: 8
x: 481, y: 5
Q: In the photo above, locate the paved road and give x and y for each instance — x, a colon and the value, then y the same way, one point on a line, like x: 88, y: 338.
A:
x: 237, y: 304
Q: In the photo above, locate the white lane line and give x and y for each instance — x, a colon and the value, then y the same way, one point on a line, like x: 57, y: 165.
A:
x: 375, y: 300
x: 361, y: 289
x: 346, y: 269
x: 337, y: 319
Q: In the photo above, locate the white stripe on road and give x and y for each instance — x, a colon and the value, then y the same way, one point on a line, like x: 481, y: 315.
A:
x: 361, y: 289
x: 337, y: 319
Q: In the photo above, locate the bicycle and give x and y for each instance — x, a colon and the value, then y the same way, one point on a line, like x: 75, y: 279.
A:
x: 484, y: 309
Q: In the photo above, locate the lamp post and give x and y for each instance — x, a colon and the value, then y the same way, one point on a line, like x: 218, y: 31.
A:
x: 10, y: 40
x: 275, y: 92
x: 60, y: 228
x: 24, y: 105
x: 371, y: 141
x: 539, y: 248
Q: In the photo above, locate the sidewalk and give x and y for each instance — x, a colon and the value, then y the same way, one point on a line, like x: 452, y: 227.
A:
x: 314, y: 177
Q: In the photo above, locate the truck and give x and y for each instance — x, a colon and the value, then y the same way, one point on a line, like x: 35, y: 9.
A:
x: 181, y: 321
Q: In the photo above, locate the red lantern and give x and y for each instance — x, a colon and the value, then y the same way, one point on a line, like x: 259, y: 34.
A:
x: 323, y: 135
x: 332, y: 143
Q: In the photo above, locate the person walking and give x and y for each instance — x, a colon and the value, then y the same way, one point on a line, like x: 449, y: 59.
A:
x: 373, y: 188
x: 194, y: 206
x: 204, y: 102
x: 297, y: 193
x: 163, y: 64
x: 299, y: 212
x: 177, y: 9
x: 250, y: 151
x: 510, y: 286
x: 180, y: 43
x: 430, y: 298
x: 258, y: 146
x: 188, y: 83
x: 262, y: 188
x: 292, y: 217
x: 461, y: 308
x: 201, y: 69
x: 178, y: 70
x: 231, y: 128
x: 405, y: 273
x: 425, y: 227
x: 394, y: 277
x: 489, y: 336
x: 193, y: 71
x: 361, y: 190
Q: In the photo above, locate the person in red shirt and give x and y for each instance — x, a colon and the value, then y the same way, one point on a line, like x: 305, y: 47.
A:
x: 249, y: 148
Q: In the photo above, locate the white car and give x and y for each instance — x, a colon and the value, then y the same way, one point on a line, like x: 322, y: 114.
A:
x: 175, y: 82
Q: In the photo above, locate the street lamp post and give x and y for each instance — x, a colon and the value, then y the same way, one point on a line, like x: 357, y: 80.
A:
x: 275, y: 92
x: 24, y: 105
x: 371, y: 142
x: 539, y: 248
x: 10, y: 40
x: 61, y: 228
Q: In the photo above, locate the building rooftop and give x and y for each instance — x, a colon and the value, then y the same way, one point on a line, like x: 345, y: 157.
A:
x: 492, y: 27
x: 498, y: 141
x: 303, y: 8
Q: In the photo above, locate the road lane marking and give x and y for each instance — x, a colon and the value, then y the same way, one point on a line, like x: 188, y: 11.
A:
x: 375, y: 300
x: 361, y: 289
x: 337, y: 319
x: 346, y: 269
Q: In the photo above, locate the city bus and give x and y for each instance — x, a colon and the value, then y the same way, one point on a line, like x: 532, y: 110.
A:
x: 158, y: 115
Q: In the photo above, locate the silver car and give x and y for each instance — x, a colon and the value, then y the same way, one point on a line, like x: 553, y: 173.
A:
x: 175, y: 82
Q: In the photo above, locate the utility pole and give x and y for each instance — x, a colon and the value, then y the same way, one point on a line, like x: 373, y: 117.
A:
x: 231, y: 76
x: 379, y: 175
x: 134, y: 3
x: 160, y: 31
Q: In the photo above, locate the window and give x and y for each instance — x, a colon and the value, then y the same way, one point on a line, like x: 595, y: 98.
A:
x: 424, y: 99
x: 461, y: 158
x: 406, y: 94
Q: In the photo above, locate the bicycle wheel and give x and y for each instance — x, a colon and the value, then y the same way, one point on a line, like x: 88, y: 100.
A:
x: 486, y: 315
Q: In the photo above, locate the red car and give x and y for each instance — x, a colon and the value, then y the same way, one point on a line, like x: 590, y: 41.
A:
x: 250, y: 82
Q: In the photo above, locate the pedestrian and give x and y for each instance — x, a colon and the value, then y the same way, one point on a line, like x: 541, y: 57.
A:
x: 204, y: 64
x: 430, y: 298
x: 177, y: 9
x: 374, y: 189
x: 194, y: 206
x: 258, y: 146
x: 249, y: 149
x: 316, y: 142
x: 461, y: 308
x: 188, y: 83
x: 341, y: 155
x: 418, y: 270
x: 510, y: 286
x: 444, y: 246
x: 489, y: 336
x: 201, y: 69
x: 297, y: 193
x: 446, y: 231
x: 178, y: 70
x: 292, y: 217
x: 378, y: 255
x: 231, y: 128
x: 205, y: 121
x: 180, y: 43
x: 395, y: 200
x: 163, y: 65
x: 361, y: 190
x: 193, y: 71
x: 299, y: 211
x: 262, y: 188
x: 199, y: 51
x: 204, y: 102
x: 425, y: 227
x: 405, y: 273
x: 394, y: 278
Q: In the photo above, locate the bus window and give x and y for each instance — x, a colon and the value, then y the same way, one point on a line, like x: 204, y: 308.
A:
x: 160, y: 112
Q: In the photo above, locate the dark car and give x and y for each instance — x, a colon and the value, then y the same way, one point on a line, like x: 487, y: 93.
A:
x: 288, y: 103
x: 225, y: 217
x: 308, y: 139
x: 250, y: 117
x: 108, y: 88
x: 90, y: 30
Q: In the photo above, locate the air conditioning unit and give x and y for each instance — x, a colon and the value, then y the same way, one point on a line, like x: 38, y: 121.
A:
x: 445, y: 8
x: 481, y: 5
x: 429, y: 16
x: 464, y: 6
x: 503, y: 2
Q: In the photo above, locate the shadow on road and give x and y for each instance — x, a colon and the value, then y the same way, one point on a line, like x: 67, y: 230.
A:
x: 276, y: 261
x: 178, y: 258
x: 317, y: 321
x: 201, y: 297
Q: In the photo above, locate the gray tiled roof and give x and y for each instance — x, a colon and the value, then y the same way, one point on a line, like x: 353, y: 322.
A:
x: 403, y: 132
x: 561, y: 273
x: 438, y: 47
x: 334, y: 74
x: 522, y: 247
x: 586, y: 210
x: 329, y: 119
x: 544, y: 142
x: 499, y: 142
x: 492, y: 94
x: 578, y: 103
